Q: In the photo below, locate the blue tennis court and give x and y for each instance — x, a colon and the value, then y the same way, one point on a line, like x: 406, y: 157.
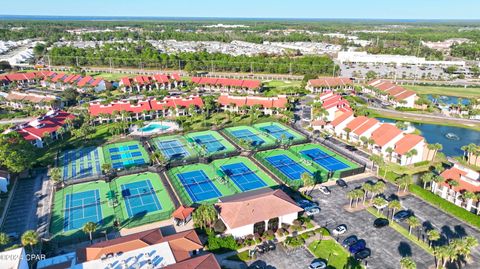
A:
x: 173, y: 149
x: 211, y: 143
x: 140, y: 198
x: 288, y: 166
x: 126, y: 155
x: 247, y: 135
x: 322, y: 158
x: 277, y: 132
x: 199, y: 186
x: 80, y: 208
x: 243, y: 177
x: 80, y: 163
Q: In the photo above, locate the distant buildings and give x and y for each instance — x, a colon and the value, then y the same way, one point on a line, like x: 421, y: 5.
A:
x: 364, y: 57
x: 20, y: 100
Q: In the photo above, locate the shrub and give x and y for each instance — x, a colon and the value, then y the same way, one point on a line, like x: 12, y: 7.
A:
x: 294, y: 241
x: 323, y: 231
x: 221, y: 243
x: 421, y: 163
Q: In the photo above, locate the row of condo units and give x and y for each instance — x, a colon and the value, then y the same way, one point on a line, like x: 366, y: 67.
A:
x: 158, y: 81
x: 397, y: 95
x: 52, y: 80
x: 467, y: 180
x: 45, y: 126
x: 144, y: 109
x: 382, y: 139
x: 266, y: 105
x: 211, y: 84
x: 383, y: 89
x: 36, y: 99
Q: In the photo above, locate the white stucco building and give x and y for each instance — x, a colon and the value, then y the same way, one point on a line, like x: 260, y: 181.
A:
x: 256, y: 212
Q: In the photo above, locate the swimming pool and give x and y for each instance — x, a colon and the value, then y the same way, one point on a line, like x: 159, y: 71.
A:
x: 151, y: 127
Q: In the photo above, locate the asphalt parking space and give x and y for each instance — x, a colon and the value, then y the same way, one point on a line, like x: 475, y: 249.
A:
x: 387, y: 245
x: 282, y: 259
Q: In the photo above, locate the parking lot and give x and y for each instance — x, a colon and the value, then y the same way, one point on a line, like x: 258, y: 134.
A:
x: 282, y: 259
x: 387, y: 245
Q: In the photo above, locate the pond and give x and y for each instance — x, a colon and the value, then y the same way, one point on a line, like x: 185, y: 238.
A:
x: 449, y: 100
x: 451, y: 138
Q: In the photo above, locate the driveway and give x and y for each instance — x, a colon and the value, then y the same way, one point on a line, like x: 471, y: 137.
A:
x: 282, y: 259
x: 387, y: 245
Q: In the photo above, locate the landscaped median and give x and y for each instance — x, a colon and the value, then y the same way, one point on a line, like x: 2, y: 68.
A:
x: 397, y: 227
x: 333, y: 254
x: 446, y: 206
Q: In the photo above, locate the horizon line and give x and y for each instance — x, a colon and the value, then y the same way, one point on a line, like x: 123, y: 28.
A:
x: 44, y: 17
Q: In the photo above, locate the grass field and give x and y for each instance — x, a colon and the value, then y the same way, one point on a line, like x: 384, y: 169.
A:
x: 161, y: 193
x: 107, y: 76
x: 451, y: 91
x: 257, y: 139
x: 59, y: 204
x: 338, y: 258
x: 299, y: 148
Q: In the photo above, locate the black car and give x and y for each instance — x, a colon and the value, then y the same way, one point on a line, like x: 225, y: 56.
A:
x: 402, y: 215
x: 341, y: 183
x: 363, y: 254
x: 380, y: 222
x: 352, y: 239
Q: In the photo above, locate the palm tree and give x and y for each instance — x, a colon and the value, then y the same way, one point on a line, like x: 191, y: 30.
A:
x: 376, y: 160
x: 90, y: 228
x: 358, y: 195
x: 467, y: 244
x: 4, y: 239
x: 433, y: 235
x: 403, y: 182
x: 347, y: 131
x: 410, y: 155
x: 205, y: 216
x: 30, y: 238
x: 389, y: 150
x: 351, y: 195
x: 468, y: 195
x: 437, y: 180
x: 307, y: 180
x: 379, y: 202
x: 106, y: 167
x: 378, y: 187
x: 394, y: 205
x: 441, y: 253
x: 426, y: 178
x: 412, y: 222
x: 366, y: 187
x: 55, y: 175
x: 407, y: 263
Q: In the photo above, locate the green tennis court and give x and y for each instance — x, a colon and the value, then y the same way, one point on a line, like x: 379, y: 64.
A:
x: 249, y: 137
x: 280, y: 132
x: 210, y: 143
x: 81, y: 163
x: 174, y: 147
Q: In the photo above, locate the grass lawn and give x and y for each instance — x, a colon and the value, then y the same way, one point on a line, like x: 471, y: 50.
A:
x: 451, y: 91
x: 107, y: 76
x: 276, y: 87
x: 339, y: 257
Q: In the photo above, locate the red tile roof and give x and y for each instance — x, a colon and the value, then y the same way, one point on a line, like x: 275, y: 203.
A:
x: 183, y: 212
x: 397, y: 92
x: 207, y: 261
x: 407, y: 143
x: 96, y: 108
x: 331, y: 82
x: 82, y: 82
x: 357, y: 122
x: 58, y: 77
x: 228, y: 82
x: 341, y: 118
x: 265, y: 102
x: 457, y: 174
x: 365, y: 127
x: 385, y: 133
x: 48, y: 123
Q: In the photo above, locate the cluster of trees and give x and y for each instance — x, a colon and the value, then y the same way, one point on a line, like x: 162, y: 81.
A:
x: 143, y: 54
x: 470, y: 51
x: 16, y: 154
x: 404, y: 48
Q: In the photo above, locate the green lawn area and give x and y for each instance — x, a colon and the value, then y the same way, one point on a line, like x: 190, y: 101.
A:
x: 276, y: 87
x: 108, y: 76
x: 339, y: 257
x: 440, y: 90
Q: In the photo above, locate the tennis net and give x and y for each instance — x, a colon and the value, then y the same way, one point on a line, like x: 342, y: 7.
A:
x: 207, y: 181
x: 230, y: 173
x: 144, y: 193
x: 72, y: 208
x: 319, y: 157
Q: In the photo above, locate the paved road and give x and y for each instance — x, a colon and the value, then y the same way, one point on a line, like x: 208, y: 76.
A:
x: 16, y: 120
x: 387, y: 245
x: 424, y: 116
x: 282, y: 259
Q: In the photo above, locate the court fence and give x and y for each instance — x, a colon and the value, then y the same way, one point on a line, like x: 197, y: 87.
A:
x: 184, y: 197
x: 276, y: 172
x: 352, y: 172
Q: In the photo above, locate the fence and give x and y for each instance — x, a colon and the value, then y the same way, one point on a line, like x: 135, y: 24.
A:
x: 179, y: 189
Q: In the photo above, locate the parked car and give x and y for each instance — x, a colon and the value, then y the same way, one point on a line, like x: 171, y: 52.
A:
x: 352, y: 239
x: 317, y: 265
x: 324, y: 190
x: 312, y: 210
x: 305, y: 203
x: 341, y: 229
x: 380, y: 222
x: 360, y: 245
x: 363, y: 254
x: 341, y: 183
x: 402, y: 215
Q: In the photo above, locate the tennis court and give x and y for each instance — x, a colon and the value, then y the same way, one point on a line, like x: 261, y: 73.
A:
x: 209, y: 142
x: 199, y: 186
x: 173, y: 149
x: 325, y: 160
x: 247, y: 135
x: 140, y: 198
x: 81, y: 163
x: 80, y: 208
x: 242, y: 176
x: 288, y: 166
x: 124, y: 155
x: 278, y: 132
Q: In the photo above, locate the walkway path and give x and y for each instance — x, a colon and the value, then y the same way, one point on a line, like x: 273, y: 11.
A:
x: 16, y: 120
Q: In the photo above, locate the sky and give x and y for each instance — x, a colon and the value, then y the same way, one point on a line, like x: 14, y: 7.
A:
x: 362, y: 9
